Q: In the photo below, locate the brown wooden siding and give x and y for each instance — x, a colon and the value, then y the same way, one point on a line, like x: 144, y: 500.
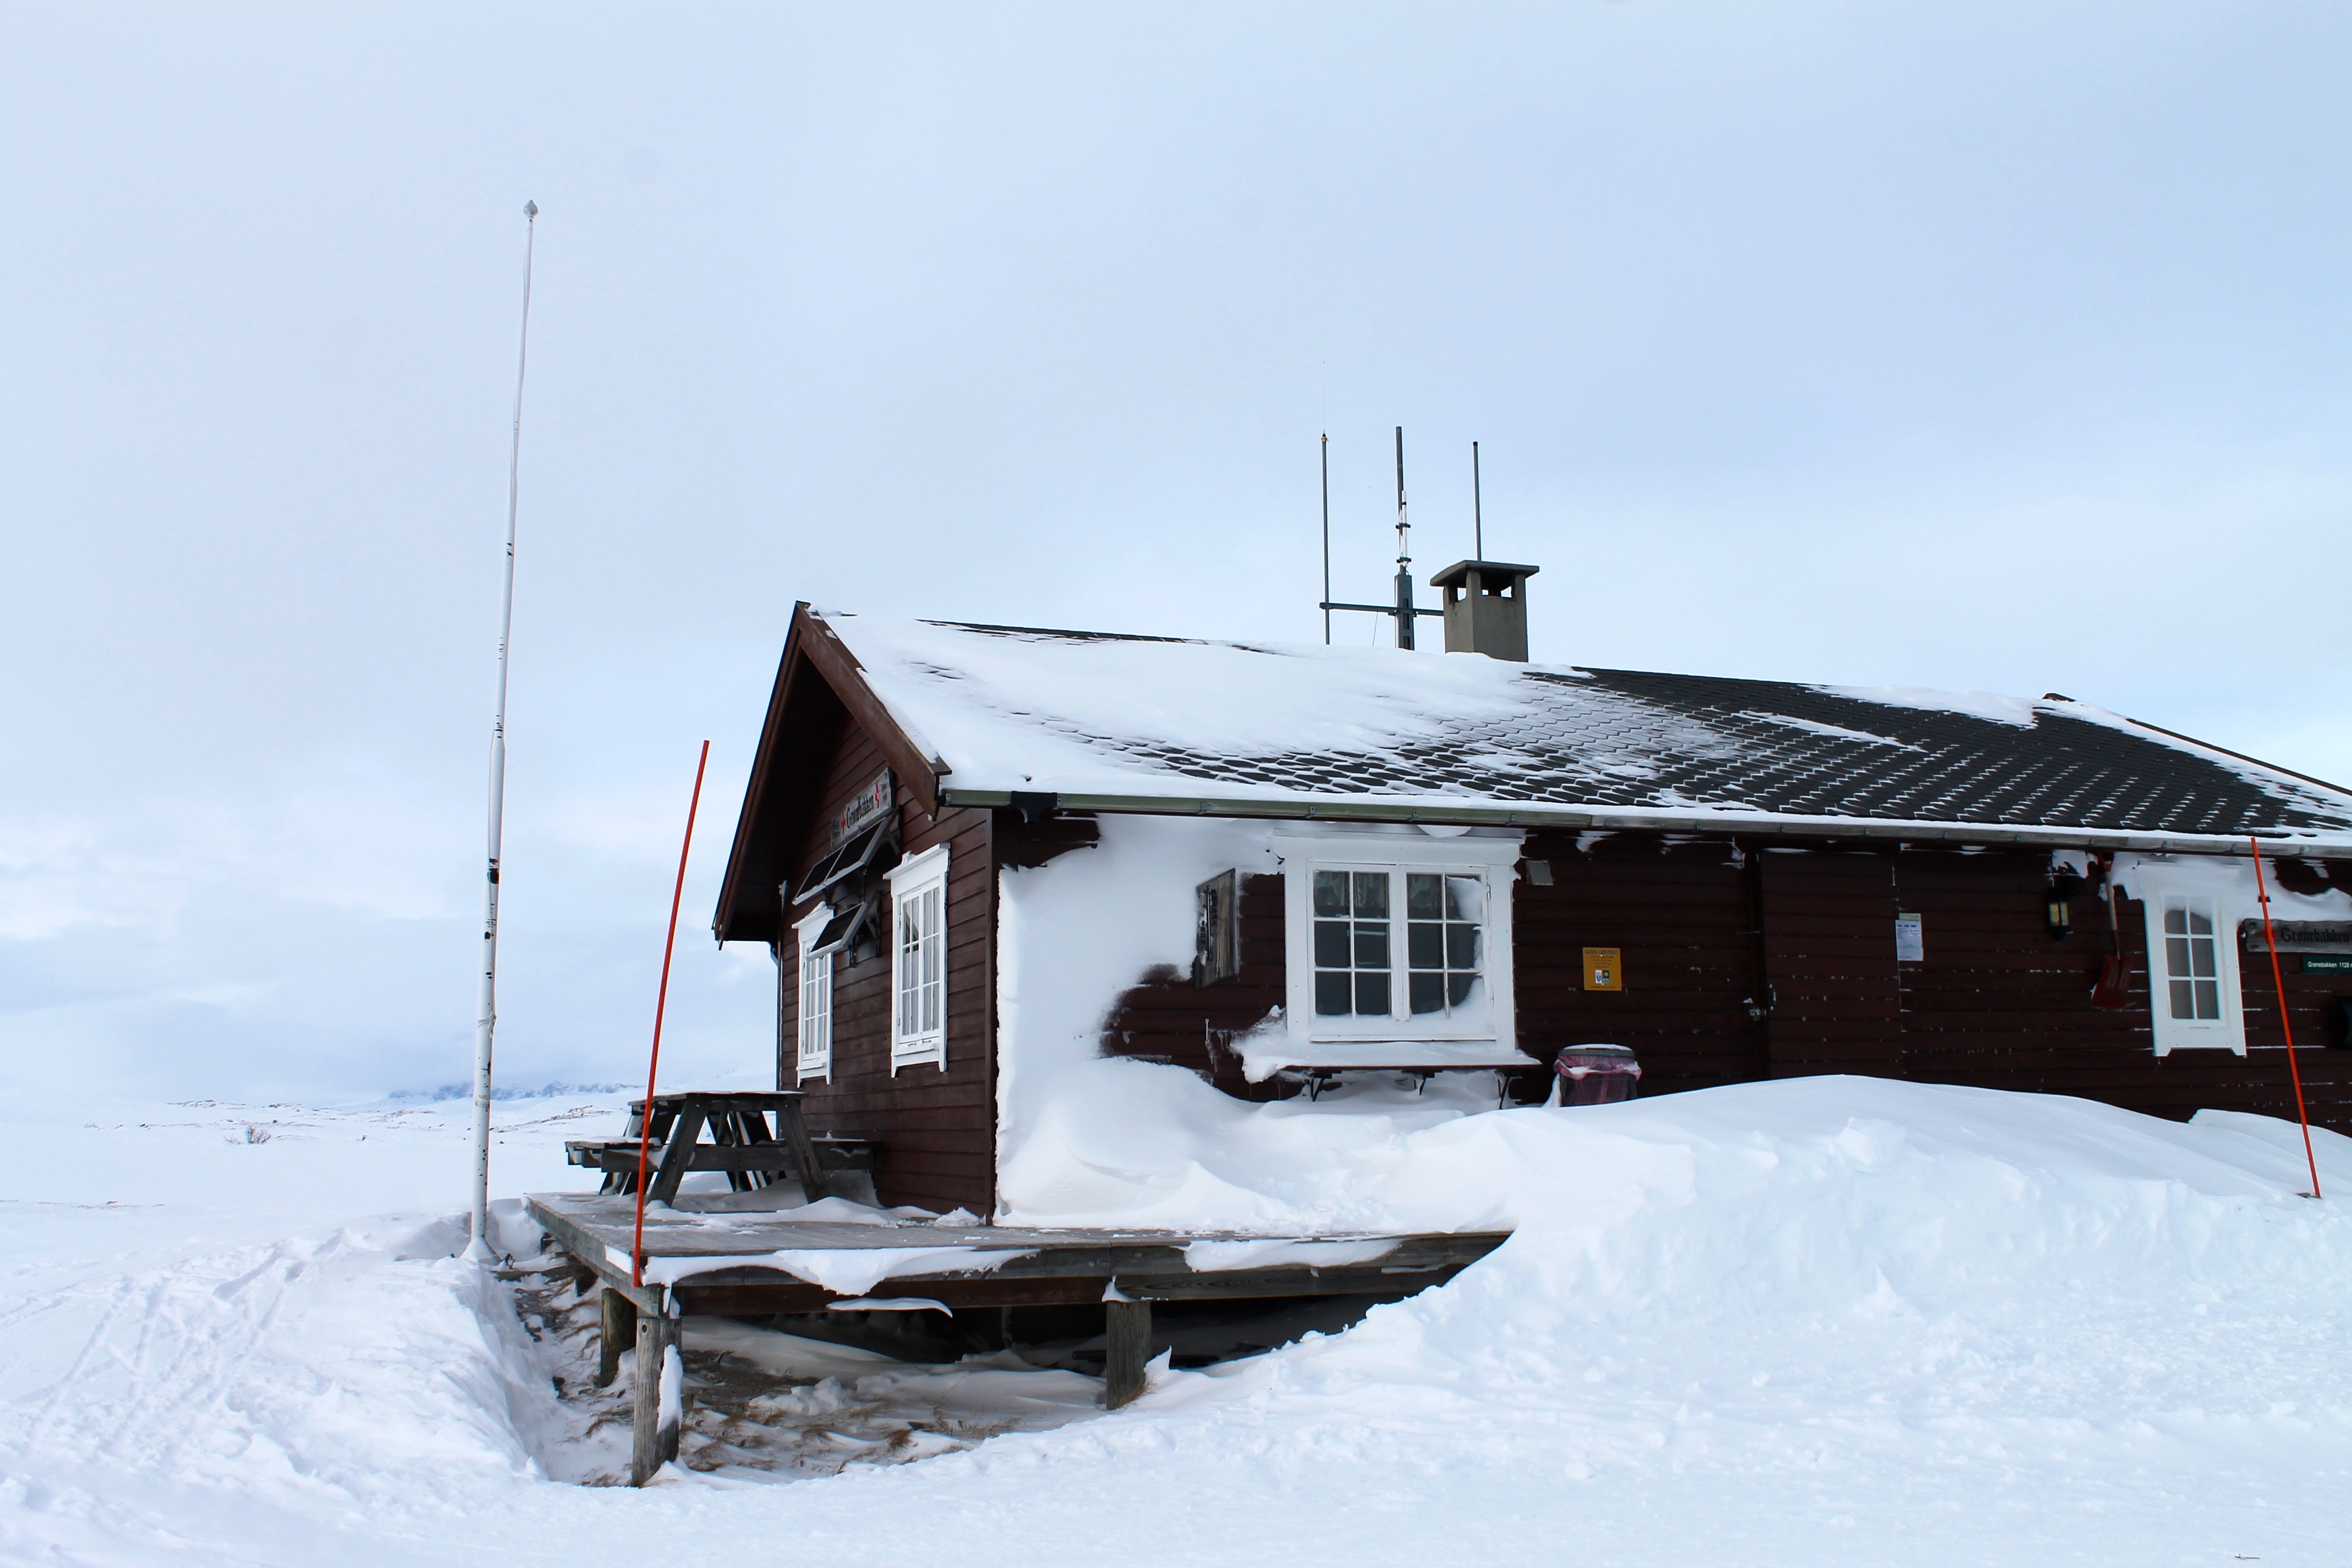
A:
x: 1164, y: 1017
x: 1829, y: 961
x: 937, y: 1128
x: 1999, y: 1003
x: 1713, y: 931
x: 1682, y: 914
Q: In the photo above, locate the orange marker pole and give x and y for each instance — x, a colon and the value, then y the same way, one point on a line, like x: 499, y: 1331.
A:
x: 2278, y: 979
x: 661, y: 1004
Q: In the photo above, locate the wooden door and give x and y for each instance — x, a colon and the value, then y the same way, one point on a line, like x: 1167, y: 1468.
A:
x: 1829, y: 954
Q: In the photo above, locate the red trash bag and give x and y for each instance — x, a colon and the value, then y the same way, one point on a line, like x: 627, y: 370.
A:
x: 1596, y: 1075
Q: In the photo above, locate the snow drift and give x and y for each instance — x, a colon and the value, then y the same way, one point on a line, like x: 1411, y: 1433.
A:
x: 1792, y: 1322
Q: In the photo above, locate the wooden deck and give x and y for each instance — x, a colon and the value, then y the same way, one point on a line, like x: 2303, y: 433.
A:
x: 723, y: 1255
x: 707, y: 1257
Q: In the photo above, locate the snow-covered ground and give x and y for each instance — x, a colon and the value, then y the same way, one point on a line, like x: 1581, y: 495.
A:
x: 1812, y: 1322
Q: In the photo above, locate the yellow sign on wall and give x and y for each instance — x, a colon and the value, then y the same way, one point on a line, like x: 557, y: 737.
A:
x: 1602, y: 971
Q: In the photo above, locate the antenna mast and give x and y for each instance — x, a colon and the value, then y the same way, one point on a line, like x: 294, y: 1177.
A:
x: 1477, y: 510
x: 485, y: 1022
x: 1326, y: 538
x: 1405, y: 616
x: 1404, y: 608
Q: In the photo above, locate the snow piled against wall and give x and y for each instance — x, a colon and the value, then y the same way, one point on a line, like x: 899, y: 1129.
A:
x: 1088, y: 1139
x: 1844, y: 1320
x: 1778, y: 1324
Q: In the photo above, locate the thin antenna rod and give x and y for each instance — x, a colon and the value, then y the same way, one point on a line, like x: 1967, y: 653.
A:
x: 1326, y: 538
x: 485, y: 1022
x: 1405, y: 616
x: 1477, y: 511
x: 1401, y: 604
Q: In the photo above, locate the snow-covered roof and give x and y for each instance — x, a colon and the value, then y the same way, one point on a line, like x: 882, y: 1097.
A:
x: 1093, y: 715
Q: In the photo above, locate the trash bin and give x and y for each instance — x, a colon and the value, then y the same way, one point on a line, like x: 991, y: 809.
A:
x: 1596, y: 1075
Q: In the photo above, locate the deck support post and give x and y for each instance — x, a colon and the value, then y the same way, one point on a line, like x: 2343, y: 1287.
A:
x: 620, y: 1329
x: 653, y: 1419
x: 1126, y: 1349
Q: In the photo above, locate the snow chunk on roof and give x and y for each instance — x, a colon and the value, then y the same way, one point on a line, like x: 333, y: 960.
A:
x: 1990, y: 705
x: 957, y: 686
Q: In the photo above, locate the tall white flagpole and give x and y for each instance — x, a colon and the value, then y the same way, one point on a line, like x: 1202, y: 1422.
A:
x: 486, y: 1022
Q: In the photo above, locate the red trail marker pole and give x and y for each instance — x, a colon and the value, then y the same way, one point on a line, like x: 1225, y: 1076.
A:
x: 661, y: 1006
x: 2278, y: 979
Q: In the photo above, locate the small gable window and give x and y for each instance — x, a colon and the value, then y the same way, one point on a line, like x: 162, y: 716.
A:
x: 918, y: 960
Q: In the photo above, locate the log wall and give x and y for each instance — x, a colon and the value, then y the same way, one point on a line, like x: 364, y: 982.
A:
x: 1164, y: 1017
x: 1740, y: 961
x: 937, y: 1128
x: 1744, y: 962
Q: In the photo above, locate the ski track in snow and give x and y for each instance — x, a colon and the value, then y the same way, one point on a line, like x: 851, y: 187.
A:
x: 1814, y: 1321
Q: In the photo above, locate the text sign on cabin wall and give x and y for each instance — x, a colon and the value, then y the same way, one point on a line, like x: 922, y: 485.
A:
x: 1910, y: 940
x: 865, y: 807
x: 2297, y: 936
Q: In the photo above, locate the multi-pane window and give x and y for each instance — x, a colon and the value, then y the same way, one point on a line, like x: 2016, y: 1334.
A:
x: 1352, y: 950
x: 918, y: 960
x: 2192, y: 966
x: 921, y: 945
x: 1414, y: 949
x: 816, y: 1015
x: 1443, y: 916
x: 1356, y: 952
x: 814, y: 1031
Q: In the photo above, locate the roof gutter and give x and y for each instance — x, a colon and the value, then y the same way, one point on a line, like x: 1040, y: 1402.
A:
x: 1603, y: 819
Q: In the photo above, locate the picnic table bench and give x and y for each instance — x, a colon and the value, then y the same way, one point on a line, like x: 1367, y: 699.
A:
x: 1506, y: 1072
x: 744, y: 1143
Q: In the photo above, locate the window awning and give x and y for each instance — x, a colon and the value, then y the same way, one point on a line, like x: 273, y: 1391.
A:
x: 842, y: 930
x: 854, y: 854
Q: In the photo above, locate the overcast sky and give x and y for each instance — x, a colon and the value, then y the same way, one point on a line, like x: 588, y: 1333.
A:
x: 1976, y: 346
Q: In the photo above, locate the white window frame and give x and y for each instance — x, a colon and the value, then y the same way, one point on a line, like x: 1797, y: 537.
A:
x: 1489, y: 859
x: 814, y: 1024
x: 920, y: 1035
x: 2228, y: 1032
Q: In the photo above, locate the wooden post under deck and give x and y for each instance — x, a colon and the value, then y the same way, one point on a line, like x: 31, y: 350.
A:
x: 619, y: 1331
x: 1127, y: 1348
x: 652, y: 1443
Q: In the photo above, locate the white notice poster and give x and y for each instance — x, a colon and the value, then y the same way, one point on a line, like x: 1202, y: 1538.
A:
x: 1910, y: 945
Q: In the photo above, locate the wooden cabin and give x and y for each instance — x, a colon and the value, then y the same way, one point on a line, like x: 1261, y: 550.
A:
x: 976, y: 850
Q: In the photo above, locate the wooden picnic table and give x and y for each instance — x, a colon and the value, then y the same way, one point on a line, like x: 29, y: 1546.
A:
x: 743, y: 1144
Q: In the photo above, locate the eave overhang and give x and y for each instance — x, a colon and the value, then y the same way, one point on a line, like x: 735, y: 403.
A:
x: 769, y: 826
x: 1718, y: 824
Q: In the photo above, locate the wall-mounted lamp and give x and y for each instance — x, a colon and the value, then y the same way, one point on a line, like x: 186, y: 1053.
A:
x: 2064, y: 887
